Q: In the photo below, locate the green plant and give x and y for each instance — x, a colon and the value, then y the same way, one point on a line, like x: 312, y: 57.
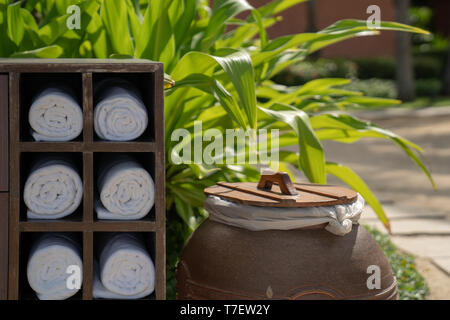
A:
x: 428, y: 67
x: 381, y: 88
x: 428, y: 87
x: 306, y: 71
x: 379, y: 67
x: 222, y: 78
x: 411, y: 284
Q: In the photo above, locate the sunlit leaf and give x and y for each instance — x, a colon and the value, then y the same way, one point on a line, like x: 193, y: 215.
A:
x: 312, y: 159
x: 46, y: 52
x: 16, y: 25
x: 348, y: 176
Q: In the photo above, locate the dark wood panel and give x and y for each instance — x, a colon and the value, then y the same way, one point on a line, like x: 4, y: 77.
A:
x: 124, y: 226
x: 4, y: 134
x: 100, y: 226
x: 51, y: 147
x: 88, y: 187
x: 121, y: 147
x: 160, y: 202
x: 91, y: 147
x: 77, y: 65
x: 4, y: 210
x: 88, y: 264
x: 14, y: 186
x: 88, y: 112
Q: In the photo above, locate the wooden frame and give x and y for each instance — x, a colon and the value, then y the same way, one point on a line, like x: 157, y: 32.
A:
x: 4, y: 185
x: 86, y: 146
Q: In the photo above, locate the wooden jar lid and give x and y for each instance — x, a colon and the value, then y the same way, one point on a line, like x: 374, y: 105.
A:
x: 277, y: 190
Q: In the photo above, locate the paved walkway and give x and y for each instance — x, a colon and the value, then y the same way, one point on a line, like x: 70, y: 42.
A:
x: 420, y: 216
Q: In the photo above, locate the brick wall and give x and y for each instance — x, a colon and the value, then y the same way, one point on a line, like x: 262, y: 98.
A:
x: 295, y: 20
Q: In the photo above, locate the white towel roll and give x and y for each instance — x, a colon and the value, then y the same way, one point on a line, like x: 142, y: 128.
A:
x: 48, y: 264
x: 53, y: 190
x: 120, y: 114
x: 55, y: 115
x: 127, y: 191
x: 125, y: 269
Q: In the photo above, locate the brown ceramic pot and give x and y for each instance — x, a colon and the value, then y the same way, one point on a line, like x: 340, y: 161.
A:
x: 227, y: 262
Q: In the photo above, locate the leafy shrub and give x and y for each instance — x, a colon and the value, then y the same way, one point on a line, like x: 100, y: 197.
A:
x: 428, y: 67
x: 411, y: 284
x: 176, y: 231
x: 306, y: 71
x: 428, y: 87
x: 380, y: 67
x: 374, y: 87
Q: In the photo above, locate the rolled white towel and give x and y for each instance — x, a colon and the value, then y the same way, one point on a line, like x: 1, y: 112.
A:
x: 127, y: 191
x: 48, y: 264
x: 55, y: 115
x: 53, y: 190
x: 125, y: 269
x: 120, y: 114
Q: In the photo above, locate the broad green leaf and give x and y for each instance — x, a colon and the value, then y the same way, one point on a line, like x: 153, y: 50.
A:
x: 51, y: 32
x: 85, y: 49
x: 186, y: 212
x: 348, y: 176
x: 156, y: 40
x: 238, y: 37
x: 314, y: 87
x: 133, y: 18
x: 115, y: 19
x: 347, y: 122
x: 28, y: 20
x: 279, y: 45
x: 277, y: 6
x: 46, y: 52
x: 320, y: 85
x: 223, y: 10
x: 371, y: 101
x: 184, y: 22
x: 346, y: 29
x: 7, y: 46
x: 16, y: 25
x: 329, y: 39
x: 30, y: 4
x: 189, y: 193
x: 312, y: 158
x: 345, y: 25
x: 97, y: 36
x: 215, y: 88
x: 238, y: 67
x: 284, y: 60
x: 202, y: 171
x: 262, y: 31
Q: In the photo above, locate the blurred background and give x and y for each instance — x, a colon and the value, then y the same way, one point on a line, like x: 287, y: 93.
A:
x: 420, y: 64
x: 416, y: 69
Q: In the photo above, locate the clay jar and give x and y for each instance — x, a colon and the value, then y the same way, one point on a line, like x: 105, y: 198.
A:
x: 224, y: 261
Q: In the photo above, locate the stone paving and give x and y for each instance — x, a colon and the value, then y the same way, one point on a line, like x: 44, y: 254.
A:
x: 423, y: 237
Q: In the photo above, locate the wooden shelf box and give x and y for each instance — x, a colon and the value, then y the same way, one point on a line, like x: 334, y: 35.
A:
x: 18, y: 80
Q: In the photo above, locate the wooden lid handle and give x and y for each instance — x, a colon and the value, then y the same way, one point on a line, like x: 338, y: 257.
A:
x: 281, y: 178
